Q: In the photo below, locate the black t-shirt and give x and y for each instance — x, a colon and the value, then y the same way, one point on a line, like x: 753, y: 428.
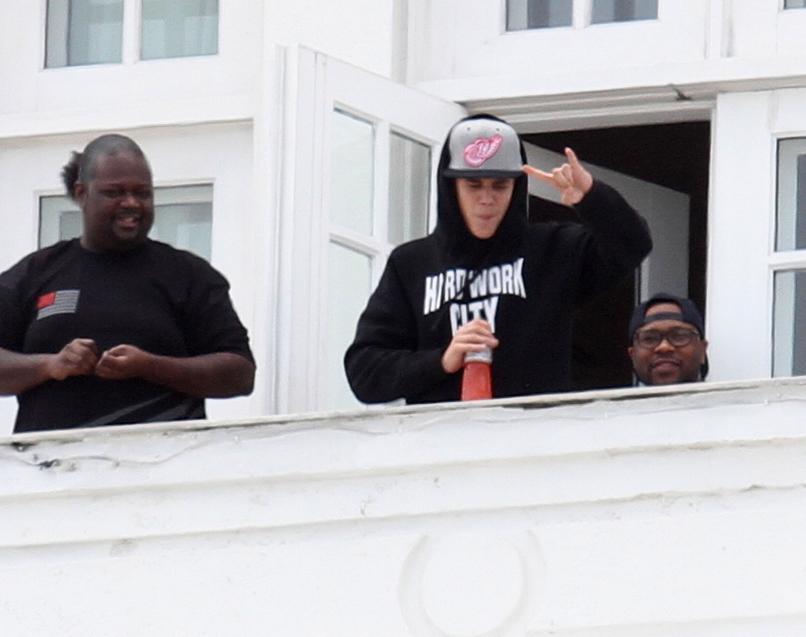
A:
x: 162, y: 300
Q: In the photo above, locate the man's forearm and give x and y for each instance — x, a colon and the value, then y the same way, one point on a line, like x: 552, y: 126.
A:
x: 218, y: 375
x: 21, y: 372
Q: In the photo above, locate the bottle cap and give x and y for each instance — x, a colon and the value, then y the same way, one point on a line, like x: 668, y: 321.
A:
x: 484, y: 356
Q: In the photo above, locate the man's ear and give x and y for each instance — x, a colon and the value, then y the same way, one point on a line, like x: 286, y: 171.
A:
x: 79, y: 193
x: 704, y: 349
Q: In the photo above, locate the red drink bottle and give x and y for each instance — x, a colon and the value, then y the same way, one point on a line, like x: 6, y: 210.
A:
x: 477, y: 382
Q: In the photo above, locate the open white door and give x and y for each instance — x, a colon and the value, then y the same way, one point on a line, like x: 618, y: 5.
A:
x: 359, y: 153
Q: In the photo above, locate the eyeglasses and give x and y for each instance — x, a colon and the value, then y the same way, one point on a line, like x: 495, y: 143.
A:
x: 677, y: 337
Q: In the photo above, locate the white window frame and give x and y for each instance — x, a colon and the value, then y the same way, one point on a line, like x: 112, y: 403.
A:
x: 138, y: 43
x: 781, y: 261
x: 743, y: 259
x: 581, y: 17
x: 46, y: 40
x: 132, y: 33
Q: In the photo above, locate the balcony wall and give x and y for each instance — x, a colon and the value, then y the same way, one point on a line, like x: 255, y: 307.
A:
x: 662, y: 512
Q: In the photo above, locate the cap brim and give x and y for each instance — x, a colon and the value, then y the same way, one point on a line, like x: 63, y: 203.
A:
x: 480, y: 174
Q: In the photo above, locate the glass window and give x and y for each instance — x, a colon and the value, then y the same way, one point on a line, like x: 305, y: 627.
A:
x: 538, y: 14
x: 794, y: 4
x: 789, y: 330
x: 789, y: 309
x: 83, y: 32
x: 409, y: 182
x: 351, y: 173
x: 623, y: 10
x: 349, y: 285
x: 179, y: 28
x: 183, y: 217
x: 368, y: 216
x: 791, y: 208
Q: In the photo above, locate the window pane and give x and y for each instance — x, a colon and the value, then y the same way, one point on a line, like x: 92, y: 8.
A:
x: 795, y: 4
x: 538, y: 14
x: 59, y: 218
x: 789, y: 331
x: 351, y: 172
x: 83, y: 32
x: 791, y: 213
x: 349, y: 280
x: 183, y: 217
x: 409, y: 182
x: 624, y: 10
x: 179, y: 28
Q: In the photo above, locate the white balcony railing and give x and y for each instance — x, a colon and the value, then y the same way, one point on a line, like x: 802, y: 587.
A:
x: 662, y: 512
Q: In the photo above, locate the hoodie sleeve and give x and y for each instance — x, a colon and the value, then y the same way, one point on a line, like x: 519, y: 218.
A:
x: 383, y: 362
x: 617, y: 241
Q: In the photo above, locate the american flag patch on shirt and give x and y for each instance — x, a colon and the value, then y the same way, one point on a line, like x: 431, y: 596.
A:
x: 59, y: 302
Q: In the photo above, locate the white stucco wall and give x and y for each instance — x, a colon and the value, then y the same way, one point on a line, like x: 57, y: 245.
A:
x: 136, y: 93
x: 132, y: 93
x: 674, y: 512
x: 365, y: 33
x: 468, y: 39
x: 465, y: 53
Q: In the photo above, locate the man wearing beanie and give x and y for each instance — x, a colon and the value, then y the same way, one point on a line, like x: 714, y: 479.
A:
x: 484, y: 278
x: 668, y: 345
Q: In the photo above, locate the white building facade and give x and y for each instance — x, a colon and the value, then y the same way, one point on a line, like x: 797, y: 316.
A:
x: 291, y: 145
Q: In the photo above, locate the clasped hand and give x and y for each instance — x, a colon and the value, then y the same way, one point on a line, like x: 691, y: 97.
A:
x: 81, y: 357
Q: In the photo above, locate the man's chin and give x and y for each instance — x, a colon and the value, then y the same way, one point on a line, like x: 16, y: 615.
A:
x: 666, y: 379
x: 123, y: 243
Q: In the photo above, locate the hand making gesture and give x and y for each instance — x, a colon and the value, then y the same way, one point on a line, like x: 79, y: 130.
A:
x: 571, y: 179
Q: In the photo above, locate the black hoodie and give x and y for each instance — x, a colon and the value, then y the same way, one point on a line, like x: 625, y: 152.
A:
x: 525, y: 280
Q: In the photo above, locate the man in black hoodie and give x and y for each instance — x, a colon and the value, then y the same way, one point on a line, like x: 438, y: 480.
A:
x: 485, y: 278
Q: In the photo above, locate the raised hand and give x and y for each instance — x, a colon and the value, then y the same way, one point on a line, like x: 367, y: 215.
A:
x: 571, y: 179
x: 471, y: 337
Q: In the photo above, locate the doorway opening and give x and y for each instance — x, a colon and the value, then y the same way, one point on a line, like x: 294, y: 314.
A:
x: 673, y: 156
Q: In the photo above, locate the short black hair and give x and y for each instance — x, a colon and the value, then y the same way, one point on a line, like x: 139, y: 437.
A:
x: 81, y: 166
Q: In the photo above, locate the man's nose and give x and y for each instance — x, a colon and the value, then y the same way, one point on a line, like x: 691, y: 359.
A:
x: 487, y: 194
x: 664, y: 345
x: 129, y: 200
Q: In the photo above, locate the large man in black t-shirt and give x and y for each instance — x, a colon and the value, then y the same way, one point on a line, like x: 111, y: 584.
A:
x: 116, y: 328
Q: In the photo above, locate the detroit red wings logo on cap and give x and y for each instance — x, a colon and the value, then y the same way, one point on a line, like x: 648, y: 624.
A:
x: 482, y: 149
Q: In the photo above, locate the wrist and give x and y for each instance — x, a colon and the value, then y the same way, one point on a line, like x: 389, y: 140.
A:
x: 450, y: 363
x: 49, y: 369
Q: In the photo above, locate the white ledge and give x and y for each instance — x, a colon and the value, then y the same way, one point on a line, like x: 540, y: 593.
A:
x: 668, y: 511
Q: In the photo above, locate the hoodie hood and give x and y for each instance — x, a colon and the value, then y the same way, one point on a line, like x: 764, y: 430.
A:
x: 451, y: 230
